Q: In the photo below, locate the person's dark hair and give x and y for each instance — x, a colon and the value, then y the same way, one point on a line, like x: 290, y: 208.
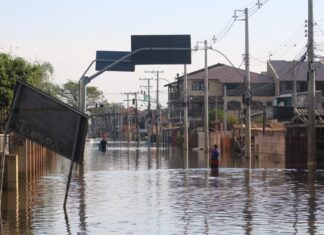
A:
x: 215, y: 146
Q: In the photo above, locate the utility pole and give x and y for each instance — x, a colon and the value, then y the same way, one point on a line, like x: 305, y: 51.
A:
x: 216, y: 108
x: 128, y: 121
x: 247, y: 92
x: 216, y: 114
x: 136, y: 121
x: 149, y: 112
x: 136, y: 117
x: 248, y: 87
x: 225, y: 109
x: 158, y: 110
x: 311, y: 136
x: 186, y: 138
x: 206, y: 128
x: 294, y: 95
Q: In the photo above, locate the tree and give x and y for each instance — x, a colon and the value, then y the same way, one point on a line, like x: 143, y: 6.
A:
x: 69, y: 93
x: 231, y: 119
x: 13, y: 69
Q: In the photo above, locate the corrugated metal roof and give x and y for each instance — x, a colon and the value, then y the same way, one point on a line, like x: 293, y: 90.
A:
x: 302, y: 115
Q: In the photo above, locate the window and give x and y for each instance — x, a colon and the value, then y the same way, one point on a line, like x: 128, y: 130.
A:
x: 286, y: 87
x: 196, y: 109
x: 320, y: 87
x: 197, y: 85
x: 232, y: 86
x: 302, y: 87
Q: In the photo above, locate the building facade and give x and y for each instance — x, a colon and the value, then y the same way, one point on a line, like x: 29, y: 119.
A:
x: 225, y: 85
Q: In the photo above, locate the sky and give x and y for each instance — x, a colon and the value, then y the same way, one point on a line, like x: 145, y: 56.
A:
x: 68, y: 33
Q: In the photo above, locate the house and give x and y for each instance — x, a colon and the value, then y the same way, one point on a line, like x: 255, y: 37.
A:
x: 284, y: 73
x: 287, y: 73
x: 220, y: 76
x: 296, y: 139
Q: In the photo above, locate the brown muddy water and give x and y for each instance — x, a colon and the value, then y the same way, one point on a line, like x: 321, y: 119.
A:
x: 134, y: 191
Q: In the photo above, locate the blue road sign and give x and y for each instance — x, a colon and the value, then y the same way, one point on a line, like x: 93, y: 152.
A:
x: 161, y: 49
x: 105, y: 58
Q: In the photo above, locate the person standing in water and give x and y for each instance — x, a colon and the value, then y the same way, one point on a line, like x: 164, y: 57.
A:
x: 214, y: 157
x: 103, y: 145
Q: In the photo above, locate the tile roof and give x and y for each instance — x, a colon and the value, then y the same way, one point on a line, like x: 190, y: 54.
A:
x: 285, y: 70
x: 228, y: 74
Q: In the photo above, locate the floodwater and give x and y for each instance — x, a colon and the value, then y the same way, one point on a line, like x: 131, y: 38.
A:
x: 134, y: 191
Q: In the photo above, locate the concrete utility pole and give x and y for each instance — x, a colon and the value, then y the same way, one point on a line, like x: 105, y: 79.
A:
x: 206, y: 128
x: 136, y: 117
x: 294, y: 94
x: 225, y: 109
x: 248, y: 92
x: 149, y: 112
x: 136, y: 120
x: 186, y: 126
x: 128, y: 119
x: 311, y: 161
x: 216, y: 113
x: 158, y: 109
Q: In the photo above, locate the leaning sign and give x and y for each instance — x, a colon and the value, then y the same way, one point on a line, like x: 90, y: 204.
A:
x: 48, y: 122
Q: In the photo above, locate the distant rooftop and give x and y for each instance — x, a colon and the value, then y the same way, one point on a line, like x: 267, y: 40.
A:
x: 228, y: 74
x: 285, y: 70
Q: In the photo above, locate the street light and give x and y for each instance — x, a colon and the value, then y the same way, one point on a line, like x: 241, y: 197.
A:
x: 82, y: 88
x: 221, y: 53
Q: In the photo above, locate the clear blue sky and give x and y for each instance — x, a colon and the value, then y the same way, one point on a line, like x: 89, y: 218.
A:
x: 68, y: 33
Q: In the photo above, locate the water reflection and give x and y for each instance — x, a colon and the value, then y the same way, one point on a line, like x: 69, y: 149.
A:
x: 136, y: 191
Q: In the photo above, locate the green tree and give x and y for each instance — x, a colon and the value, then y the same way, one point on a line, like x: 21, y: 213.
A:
x: 69, y: 93
x: 231, y: 119
x: 13, y: 69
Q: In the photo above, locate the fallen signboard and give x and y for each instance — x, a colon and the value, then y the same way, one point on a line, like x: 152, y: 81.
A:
x: 48, y: 121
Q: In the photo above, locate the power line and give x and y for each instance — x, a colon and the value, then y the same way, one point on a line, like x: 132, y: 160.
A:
x: 237, y: 15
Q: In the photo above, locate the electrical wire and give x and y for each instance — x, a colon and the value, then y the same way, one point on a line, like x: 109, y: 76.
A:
x: 238, y: 14
x: 296, y: 40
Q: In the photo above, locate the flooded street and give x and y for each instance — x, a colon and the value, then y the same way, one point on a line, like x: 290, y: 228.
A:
x: 130, y: 191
